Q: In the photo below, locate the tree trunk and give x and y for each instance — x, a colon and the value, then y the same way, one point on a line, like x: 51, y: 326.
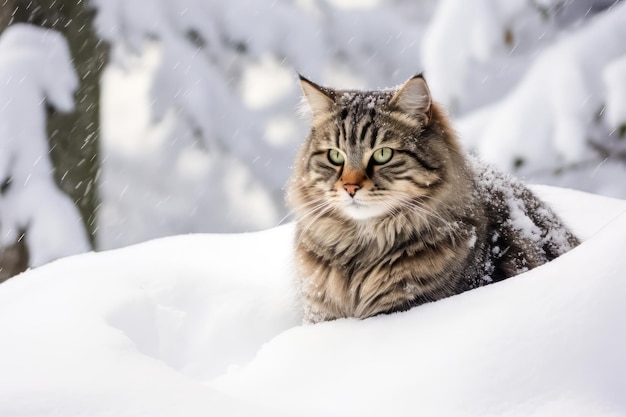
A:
x: 13, y: 258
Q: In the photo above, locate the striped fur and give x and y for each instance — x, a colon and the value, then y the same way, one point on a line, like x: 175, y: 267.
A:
x: 428, y: 223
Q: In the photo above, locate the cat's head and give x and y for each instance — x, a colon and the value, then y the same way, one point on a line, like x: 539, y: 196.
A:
x: 370, y: 153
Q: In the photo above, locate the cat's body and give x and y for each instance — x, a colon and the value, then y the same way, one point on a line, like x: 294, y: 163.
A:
x: 391, y: 213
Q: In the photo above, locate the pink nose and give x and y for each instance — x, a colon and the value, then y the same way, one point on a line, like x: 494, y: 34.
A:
x: 351, y: 188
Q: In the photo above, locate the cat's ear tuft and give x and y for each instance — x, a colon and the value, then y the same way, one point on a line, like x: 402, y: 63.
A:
x: 319, y: 99
x: 413, y: 98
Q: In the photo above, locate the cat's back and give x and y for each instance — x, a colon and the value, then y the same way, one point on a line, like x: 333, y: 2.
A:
x: 523, y: 232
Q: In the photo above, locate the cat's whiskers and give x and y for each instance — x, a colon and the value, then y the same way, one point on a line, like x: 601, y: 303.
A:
x: 322, y: 212
x: 411, y: 201
x: 414, y: 207
x: 295, y: 210
x: 407, y: 203
x: 425, y: 225
x: 406, y: 226
x: 313, y: 210
x: 401, y: 209
x: 318, y: 211
x: 395, y: 209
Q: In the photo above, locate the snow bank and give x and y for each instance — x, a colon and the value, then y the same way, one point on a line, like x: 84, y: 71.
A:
x: 209, y: 325
x: 135, y: 331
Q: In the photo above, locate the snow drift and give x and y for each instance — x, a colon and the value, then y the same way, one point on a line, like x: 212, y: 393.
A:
x: 209, y: 325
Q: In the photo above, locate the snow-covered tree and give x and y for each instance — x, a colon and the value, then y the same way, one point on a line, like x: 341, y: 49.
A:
x: 202, y: 95
x: 539, y: 86
x: 46, y: 43
x: 72, y: 135
x: 35, y: 71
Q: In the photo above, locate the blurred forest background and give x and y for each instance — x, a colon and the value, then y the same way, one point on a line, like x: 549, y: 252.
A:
x: 126, y: 120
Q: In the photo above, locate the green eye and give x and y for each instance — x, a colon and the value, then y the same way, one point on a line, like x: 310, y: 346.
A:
x: 382, y: 155
x: 335, y: 157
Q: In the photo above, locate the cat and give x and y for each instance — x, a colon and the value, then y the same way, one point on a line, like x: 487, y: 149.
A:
x: 391, y: 213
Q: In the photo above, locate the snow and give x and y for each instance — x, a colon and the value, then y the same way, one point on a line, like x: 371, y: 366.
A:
x: 550, y: 107
x: 514, y: 202
x: 614, y: 85
x: 210, y: 325
x: 463, y: 35
x: 544, y: 132
x: 32, y: 202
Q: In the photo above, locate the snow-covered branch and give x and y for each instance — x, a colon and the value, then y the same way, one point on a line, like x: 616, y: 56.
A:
x: 35, y: 71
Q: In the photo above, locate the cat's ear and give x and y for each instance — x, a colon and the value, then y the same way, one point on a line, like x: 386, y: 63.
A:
x: 319, y: 99
x: 413, y: 98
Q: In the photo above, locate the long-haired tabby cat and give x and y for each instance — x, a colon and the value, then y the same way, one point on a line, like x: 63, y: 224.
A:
x: 391, y: 213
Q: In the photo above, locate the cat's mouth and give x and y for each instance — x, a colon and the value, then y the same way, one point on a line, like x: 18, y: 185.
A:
x: 359, y: 210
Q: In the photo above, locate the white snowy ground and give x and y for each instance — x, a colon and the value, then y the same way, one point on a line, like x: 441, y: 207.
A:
x: 208, y: 325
